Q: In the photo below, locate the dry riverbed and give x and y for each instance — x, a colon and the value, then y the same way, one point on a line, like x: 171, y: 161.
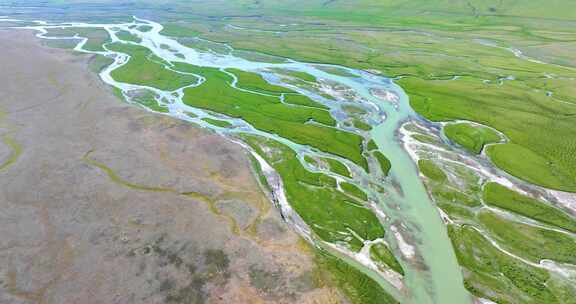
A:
x: 103, y: 202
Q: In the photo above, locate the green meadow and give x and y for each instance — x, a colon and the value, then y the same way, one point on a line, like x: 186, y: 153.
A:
x: 330, y: 213
x: 473, y: 138
x: 499, y: 196
x: 144, y: 68
x: 268, y: 113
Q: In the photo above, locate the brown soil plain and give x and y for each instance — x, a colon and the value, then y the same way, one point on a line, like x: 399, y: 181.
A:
x: 103, y: 202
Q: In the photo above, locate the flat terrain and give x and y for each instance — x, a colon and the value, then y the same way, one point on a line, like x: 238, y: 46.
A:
x: 102, y: 202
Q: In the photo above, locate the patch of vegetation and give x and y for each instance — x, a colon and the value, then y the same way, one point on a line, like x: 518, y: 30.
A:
x: 127, y: 36
x: 143, y: 68
x: 527, y: 118
x: 301, y: 100
x: 455, y: 211
x: 504, y: 198
x: 330, y: 213
x: 337, y: 167
x: 530, y: 166
x: 431, y: 170
x: 255, y: 82
x: 473, y: 138
x: 16, y: 151
x: 531, y: 242
x: 354, y: 191
x: 443, y: 194
x: 353, y: 110
x: 384, y: 162
x: 383, y: 257
x: 371, y: 146
x: 357, y: 286
x: 218, y: 123
x: 310, y: 160
x: 144, y: 28
x: 99, y: 62
x: 218, y: 259
x: 491, y: 274
x: 269, y: 114
x: 148, y: 100
x: 359, y: 124
x: 264, y: 280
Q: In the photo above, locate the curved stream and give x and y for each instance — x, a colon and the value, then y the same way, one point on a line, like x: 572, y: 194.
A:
x: 413, y: 223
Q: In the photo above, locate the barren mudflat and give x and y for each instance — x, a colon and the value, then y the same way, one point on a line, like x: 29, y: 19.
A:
x: 103, y: 202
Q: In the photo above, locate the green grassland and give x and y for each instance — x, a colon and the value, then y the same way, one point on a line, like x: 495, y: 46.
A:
x: 127, y: 36
x: 359, y: 124
x: 383, y: 161
x: 430, y: 170
x: 255, y: 82
x: 314, y: 196
x: 542, y: 145
x: 529, y: 241
x: 331, y: 215
x: 302, y: 100
x: 371, y: 146
x: 148, y: 100
x: 143, y: 68
x: 491, y: 274
x: 499, y: 196
x: 385, y: 258
x: 268, y: 113
x: 472, y: 138
x: 337, y: 167
x: 357, y: 286
x: 218, y: 123
x: 354, y: 191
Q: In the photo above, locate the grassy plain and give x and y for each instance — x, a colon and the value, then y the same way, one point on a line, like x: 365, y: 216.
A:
x: 337, y: 167
x: 473, y: 138
x: 430, y: 170
x: 329, y: 212
x: 143, y: 68
x: 302, y: 100
x: 268, y: 113
x: 531, y: 242
x: 255, y: 82
x: 493, y: 275
x: 354, y: 191
x: 504, y: 198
